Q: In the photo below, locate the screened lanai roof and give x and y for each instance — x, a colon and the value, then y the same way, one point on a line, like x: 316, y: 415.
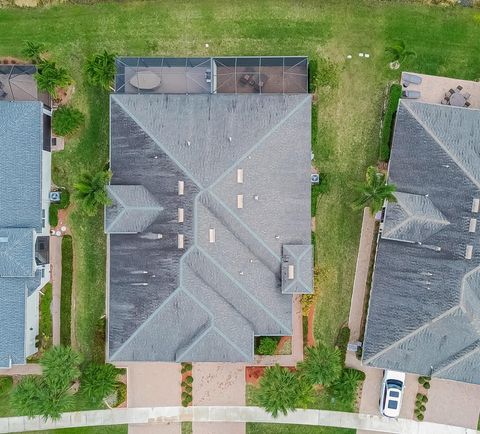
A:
x: 212, y: 75
x: 18, y: 84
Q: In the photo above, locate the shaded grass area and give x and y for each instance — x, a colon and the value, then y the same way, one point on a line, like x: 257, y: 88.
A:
x: 6, y: 387
x: 45, y: 330
x: 394, y: 94
x: 66, y: 291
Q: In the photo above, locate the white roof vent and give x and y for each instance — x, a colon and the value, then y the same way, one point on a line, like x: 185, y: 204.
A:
x: 181, y: 241
x: 3, y: 239
x: 181, y: 188
x: 239, y: 201
x: 181, y: 215
x: 211, y: 235
x: 291, y: 272
x: 475, y: 205
x: 469, y: 252
x: 473, y: 225
x: 240, y: 176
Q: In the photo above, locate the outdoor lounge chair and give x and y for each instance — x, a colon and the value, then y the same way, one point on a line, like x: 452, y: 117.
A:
x: 411, y: 94
x: 459, y: 87
x: 467, y: 104
x: 244, y: 79
x: 411, y: 78
x: 452, y: 91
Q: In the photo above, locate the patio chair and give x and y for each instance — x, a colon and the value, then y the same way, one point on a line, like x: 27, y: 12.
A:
x: 451, y: 91
x: 244, y: 79
x: 467, y: 104
x: 447, y: 95
x: 460, y: 87
x: 444, y: 101
x: 252, y: 82
x: 411, y: 78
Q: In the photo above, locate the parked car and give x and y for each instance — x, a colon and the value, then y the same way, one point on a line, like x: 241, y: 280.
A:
x: 393, y: 385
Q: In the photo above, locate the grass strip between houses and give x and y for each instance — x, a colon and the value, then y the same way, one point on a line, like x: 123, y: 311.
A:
x: 66, y: 294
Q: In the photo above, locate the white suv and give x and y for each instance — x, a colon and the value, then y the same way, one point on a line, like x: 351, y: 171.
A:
x: 393, y: 385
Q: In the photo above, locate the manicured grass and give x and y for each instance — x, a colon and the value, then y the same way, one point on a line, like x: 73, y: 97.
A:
x: 349, y: 98
x: 66, y: 294
x: 187, y: 428
x: 45, y: 326
x: 394, y: 94
x: 6, y: 387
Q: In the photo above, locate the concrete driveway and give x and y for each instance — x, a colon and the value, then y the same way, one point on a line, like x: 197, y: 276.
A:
x: 218, y: 384
x: 154, y: 384
x: 453, y: 403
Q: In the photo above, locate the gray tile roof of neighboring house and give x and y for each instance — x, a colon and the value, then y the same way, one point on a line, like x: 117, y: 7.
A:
x: 244, y: 162
x: 21, y: 144
x: 424, y: 314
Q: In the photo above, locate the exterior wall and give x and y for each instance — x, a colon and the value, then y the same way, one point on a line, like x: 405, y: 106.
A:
x: 31, y: 323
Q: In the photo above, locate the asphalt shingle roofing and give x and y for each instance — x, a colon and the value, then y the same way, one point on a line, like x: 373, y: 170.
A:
x: 424, y: 314
x: 21, y: 144
x: 243, y: 161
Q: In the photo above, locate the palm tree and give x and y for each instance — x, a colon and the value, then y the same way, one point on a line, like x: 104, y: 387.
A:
x: 100, y: 70
x: 60, y: 367
x: 49, y: 77
x: 322, y: 364
x: 33, y: 51
x: 398, y: 52
x: 282, y: 390
x: 99, y: 381
x: 26, y: 396
x: 375, y: 191
x: 91, y: 191
x: 345, y: 389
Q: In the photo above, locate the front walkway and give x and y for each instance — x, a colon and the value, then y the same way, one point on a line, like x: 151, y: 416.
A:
x: 165, y: 415
x: 27, y: 369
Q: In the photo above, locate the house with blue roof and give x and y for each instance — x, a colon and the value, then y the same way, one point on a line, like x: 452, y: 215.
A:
x: 25, y: 179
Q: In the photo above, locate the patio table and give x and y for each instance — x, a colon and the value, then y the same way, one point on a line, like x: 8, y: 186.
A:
x: 457, y: 99
x: 146, y: 80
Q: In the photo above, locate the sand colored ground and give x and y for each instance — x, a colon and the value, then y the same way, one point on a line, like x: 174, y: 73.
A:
x: 218, y: 384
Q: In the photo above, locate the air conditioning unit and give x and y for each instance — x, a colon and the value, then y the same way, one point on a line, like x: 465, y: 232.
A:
x: 54, y: 196
x: 315, y: 178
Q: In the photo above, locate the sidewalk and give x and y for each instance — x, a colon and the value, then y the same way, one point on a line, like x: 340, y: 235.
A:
x: 165, y: 415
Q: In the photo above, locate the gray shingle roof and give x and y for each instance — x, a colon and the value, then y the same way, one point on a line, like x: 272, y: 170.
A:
x: 21, y: 144
x: 208, y: 300
x: 424, y: 314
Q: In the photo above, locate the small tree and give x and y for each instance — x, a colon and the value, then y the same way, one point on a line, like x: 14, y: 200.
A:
x: 322, y: 364
x: 33, y: 51
x: 345, y: 388
x: 91, y: 191
x: 375, y: 191
x: 267, y: 345
x: 26, y: 396
x: 282, y: 390
x: 398, y: 51
x: 100, y: 70
x: 98, y: 381
x: 49, y: 77
x: 60, y: 367
x: 67, y: 120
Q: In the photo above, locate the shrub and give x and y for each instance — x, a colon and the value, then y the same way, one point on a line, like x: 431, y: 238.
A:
x: 188, y: 389
x: 33, y: 51
x: 420, y: 416
x: 394, y: 95
x: 188, y: 399
x: 416, y: 411
x: 49, y: 77
x: 121, y: 393
x: 322, y: 364
x: 186, y: 367
x: 189, y: 379
x: 345, y: 389
x: 267, y: 345
x: 184, y: 384
x: 98, y: 381
x: 184, y: 403
x: 67, y: 120
x: 282, y: 390
x: 419, y: 396
x: 422, y: 408
x: 54, y: 207
x: 342, y: 342
x: 184, y: 395
x: 60, y: 367
x: 426, y: 385
x: 100, y: 70
x: 6, y: 383
x: 424, y: 399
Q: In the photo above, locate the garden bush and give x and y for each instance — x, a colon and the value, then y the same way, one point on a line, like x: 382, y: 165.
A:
x: 184, y: 395
x: 345, y: 388
x: 189, y: 379
x: 422, y: 408
x: 322, y: 364
x: 54, y: 207
x: 394, y: 95
x: 420, y: 416
x: 188, y: 389
x: 6, y: 383
x: 342, y: 341
x: 267, y: 345
x: 426, y: 385
x: 121, y: 393
x: 67, y: 120
x: 98, y: 381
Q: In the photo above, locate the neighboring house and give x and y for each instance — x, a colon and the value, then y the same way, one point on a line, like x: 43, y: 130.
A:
x: 424, y: 314
x: 24, y: 230
x: 209, y: 228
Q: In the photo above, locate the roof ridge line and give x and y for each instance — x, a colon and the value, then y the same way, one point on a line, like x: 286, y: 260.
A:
x: 238, y: 284
x: 149, y: 133
x: 224, y: 336
x: 141, y: 326
x: 461, y: 358
x: 442, y: 145
x: 409, y: 335
x: 260, y: 141
x: 194, y: 343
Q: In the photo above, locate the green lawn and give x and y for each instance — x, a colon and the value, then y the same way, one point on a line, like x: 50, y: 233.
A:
x: 107, y: 429
x: 349, y: 99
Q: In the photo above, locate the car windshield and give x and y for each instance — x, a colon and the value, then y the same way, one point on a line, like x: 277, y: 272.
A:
x: 394, y: 393
x: 392, y: 405
x: 394, y: 384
